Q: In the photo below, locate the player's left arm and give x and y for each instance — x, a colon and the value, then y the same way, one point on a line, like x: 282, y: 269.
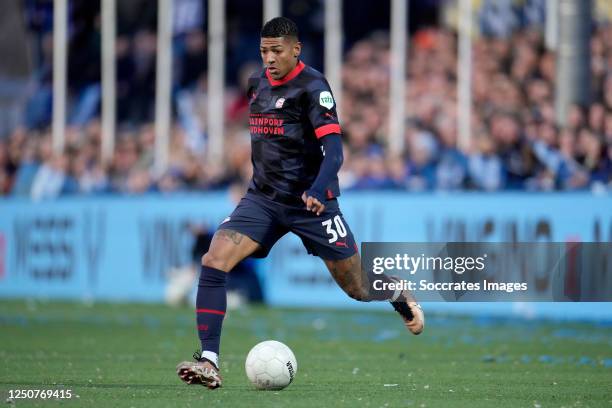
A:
x: 324, y: 119
x: 314, y: 197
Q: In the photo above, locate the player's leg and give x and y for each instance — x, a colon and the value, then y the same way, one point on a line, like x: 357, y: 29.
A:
x: 227, y: 249
x: 329, y: 237
x: 358, y: 284
x: 251, y: 229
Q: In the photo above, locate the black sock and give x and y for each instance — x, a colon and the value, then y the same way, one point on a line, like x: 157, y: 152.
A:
x: 211, y: 304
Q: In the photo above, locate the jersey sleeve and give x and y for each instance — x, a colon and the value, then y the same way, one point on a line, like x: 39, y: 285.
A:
x: 322, y: 110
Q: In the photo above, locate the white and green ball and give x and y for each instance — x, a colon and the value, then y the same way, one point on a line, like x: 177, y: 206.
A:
x: 271, y: 365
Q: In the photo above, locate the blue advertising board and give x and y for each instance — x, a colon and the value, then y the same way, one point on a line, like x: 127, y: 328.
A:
x: 121, y: 248
x: 100, y: 248
x: 294, y: 278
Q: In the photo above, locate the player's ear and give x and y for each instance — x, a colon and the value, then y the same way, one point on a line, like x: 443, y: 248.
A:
x: 297, y: 49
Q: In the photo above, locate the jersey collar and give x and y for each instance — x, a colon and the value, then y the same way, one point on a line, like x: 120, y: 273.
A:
x: 294, y: 72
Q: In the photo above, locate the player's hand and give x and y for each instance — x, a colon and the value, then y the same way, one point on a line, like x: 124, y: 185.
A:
x: 313, y: 204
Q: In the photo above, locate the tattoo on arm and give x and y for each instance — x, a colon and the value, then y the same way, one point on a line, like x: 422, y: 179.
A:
x: 230, y: 235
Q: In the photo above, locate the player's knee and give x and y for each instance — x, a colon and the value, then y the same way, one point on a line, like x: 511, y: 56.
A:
x: 213, y: 261
x: 357, y: 293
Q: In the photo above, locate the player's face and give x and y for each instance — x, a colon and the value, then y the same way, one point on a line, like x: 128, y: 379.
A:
x: 279, y: 55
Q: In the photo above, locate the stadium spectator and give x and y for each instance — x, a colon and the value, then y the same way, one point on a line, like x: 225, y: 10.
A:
x: 4, y: 169
x: 516, y: 141
x: 484, y: 166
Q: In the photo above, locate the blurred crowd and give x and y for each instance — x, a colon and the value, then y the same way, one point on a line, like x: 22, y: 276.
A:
x: 515, y: 143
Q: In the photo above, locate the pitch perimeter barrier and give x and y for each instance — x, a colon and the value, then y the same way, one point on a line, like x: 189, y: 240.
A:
x: 121, y: 248
x: 103, y: 248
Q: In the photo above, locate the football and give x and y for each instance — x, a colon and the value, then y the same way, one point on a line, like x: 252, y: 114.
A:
x: 271, y: 365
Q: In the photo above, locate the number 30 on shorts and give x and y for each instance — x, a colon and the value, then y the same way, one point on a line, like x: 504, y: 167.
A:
x: 340, y: 229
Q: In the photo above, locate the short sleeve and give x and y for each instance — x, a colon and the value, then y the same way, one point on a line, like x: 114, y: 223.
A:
x: 322, y: 110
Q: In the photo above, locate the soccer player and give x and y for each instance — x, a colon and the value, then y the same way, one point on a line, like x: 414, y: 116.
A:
x: 296, y: 154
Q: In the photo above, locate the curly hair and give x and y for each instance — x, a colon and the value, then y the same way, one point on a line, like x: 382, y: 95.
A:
x: 279, y: 27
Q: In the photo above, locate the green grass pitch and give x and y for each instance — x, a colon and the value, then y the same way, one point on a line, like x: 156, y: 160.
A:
x: 125, y: 355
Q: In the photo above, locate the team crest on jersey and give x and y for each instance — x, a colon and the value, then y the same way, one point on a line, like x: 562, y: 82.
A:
x: 326, y: 100
x: 279, y: 103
